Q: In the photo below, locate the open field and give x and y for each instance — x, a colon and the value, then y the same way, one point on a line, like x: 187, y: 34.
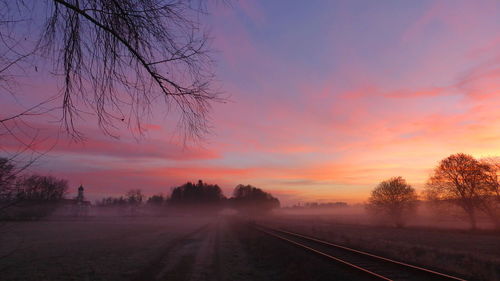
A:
x: 183, y: 248
x: 225, y: 248
x: 100, y: 249
x: 475, y: 255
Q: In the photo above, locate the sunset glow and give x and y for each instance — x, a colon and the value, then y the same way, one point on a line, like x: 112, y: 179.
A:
x: 325, y: 100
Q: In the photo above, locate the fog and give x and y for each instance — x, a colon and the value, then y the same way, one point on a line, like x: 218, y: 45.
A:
x: 427, y: 216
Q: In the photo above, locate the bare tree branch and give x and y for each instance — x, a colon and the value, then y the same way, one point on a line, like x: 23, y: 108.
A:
x: 118, y: 57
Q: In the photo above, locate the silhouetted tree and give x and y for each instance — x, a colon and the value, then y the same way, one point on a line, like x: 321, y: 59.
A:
x: 24, y: 192
x: 157, y: 200
x: 116, y: 58
x: 251, y: 199
x: 318, y: 205
x: 491, y: 201
x: 38, y: 196
x: 197, y: 194
x: 462, y: 180
x: 7, y: 185
x: 394, y: 199
x: 112, y: 202
x: 134, y: 199
x: 134, y: 196
x: 42, y: 188
x: 7, y: 179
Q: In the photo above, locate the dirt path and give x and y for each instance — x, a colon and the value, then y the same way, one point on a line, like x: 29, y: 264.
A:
x: 230, y: 249
x: 210, y: 253
x: 177, y: 260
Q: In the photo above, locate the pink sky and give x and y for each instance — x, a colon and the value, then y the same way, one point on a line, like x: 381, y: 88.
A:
x: 326, y: 100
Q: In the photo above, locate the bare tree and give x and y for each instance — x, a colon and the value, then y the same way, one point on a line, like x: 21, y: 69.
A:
x: 490, y: 203
x: 7, y: 177
x: 134, y: 196
x: 34, y: 196
x: 462, y: 180
x: 10, y: 182
x: 43, y: 188
x: 116, y: 58
x: 134, y: 199
x: 393, y: 199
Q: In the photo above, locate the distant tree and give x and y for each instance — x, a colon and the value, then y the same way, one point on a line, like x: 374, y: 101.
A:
x: 42, y: 188
x: 7, y: 179
x: 134, y: 199
x: 37, y: 196
x: 24, y: 193
x: 252, y: 199
x: 7, y: 185
x: 112, y: 202
x: 326, y: 205
x: 197, y: 194
x: 462, y: 180
x: 134, y: 196
x: 491, y: 202
x: 156, y: 200
x: 393, y: 199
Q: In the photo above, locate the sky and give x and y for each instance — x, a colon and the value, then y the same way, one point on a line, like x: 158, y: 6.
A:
x: 325, y: 100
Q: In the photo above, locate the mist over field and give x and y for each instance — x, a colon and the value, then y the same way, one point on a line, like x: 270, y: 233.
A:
x: 195, y: 140
x: 199, y: 244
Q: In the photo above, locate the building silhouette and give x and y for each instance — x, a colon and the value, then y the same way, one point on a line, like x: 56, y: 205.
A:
x: 77, y: 207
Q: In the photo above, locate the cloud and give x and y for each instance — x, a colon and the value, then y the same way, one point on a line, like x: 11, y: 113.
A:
x: 432, y: 92
x: 349, y: 105
x: 51, y: 137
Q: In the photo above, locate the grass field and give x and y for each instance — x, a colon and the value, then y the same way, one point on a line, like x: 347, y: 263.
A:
x: 474, y: 255
x: 221, y: 248
x: 98, y: 249
x: 144, y: 249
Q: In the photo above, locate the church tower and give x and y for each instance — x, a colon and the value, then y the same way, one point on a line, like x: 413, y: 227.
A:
x: 80, y: 197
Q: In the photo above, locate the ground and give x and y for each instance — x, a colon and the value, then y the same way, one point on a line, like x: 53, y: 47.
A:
x: 176, y: 248
x: 212, y: 248
x: 97, y: 249
x: 473, y: 254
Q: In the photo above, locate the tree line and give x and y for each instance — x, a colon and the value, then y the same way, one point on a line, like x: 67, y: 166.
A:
x: 319, y: 205
x: 29, y: 195
x: 459, y: 181
x: 32, y: 196
x: 201, y: 195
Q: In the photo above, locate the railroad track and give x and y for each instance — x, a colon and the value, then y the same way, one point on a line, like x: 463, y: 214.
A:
x: 375, y: 266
